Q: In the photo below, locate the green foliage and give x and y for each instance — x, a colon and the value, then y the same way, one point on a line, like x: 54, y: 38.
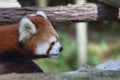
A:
x: 106, y: 41
x: 93, y: 58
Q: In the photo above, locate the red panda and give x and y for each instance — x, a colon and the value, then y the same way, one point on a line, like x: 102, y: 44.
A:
x: 33, y: 35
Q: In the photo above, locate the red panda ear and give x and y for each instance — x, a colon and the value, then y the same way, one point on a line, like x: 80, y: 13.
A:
x: 41, y: 13
x: 26, y: 29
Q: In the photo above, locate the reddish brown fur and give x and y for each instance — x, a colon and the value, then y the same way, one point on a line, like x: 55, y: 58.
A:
x: 9, y: 36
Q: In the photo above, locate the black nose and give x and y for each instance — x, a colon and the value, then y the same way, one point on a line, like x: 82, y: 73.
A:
x: 61, y: 48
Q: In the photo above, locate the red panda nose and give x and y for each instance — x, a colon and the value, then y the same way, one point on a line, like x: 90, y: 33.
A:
x: 61, y: 48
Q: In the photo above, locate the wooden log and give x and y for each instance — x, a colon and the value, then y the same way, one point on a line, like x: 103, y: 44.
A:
x: 83, y: 74
x: 63, y: 14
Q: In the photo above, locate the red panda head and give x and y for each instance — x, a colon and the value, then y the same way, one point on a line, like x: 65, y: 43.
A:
x: 38, y: 35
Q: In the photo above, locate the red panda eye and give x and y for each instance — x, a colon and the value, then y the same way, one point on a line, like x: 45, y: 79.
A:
x: 52, y: 43
x: 27, y: 27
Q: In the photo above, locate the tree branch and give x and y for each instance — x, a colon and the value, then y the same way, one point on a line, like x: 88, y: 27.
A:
x: 85, y: 73
x: 63, y: 14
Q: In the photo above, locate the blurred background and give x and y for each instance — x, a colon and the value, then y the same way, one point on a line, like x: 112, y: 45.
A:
x: 101, y: 40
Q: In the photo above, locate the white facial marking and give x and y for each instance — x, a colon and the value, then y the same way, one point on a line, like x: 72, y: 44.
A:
x: 54, y: 52
x: 52, y: 39
x: 42, y: 48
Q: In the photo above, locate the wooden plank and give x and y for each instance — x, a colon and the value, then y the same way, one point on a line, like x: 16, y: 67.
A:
x: 84, y: 73
x: 63, y: 14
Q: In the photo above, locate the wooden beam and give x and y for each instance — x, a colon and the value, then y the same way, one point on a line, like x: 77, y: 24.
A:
x: 84, y: 73
x: 63, y: 14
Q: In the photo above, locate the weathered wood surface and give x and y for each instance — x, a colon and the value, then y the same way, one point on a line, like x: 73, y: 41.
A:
x: 85, y: 73
x: 58, y: 14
